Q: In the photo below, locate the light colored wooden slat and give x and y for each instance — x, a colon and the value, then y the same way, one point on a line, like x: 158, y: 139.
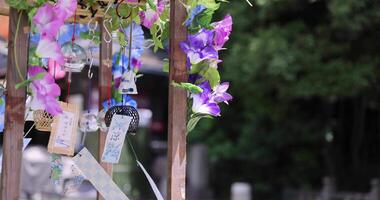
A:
x: 177, y: 105
x: 105, y: 79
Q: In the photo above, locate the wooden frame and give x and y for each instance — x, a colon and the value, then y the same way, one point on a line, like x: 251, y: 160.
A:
x: 15, y: 107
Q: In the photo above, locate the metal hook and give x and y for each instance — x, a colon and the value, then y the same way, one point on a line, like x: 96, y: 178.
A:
x: 108, y: 32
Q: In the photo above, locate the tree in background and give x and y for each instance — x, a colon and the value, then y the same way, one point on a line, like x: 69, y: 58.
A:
x: 305, y: 77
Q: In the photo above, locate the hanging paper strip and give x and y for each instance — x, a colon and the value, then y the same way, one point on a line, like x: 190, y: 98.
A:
x: 115, y: 138
x: 153, y: 185
x: 64, y: 131
x: 93, y: 172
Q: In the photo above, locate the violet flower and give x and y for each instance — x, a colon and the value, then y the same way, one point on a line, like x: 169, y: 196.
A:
x: 207, y: 101
x: 199, y: 47
x: 64, y: 9
x: 222, y: 30
x: 220, y: 93
x: 49, y: 48
x: 150, y: 16
x: 46, y: 21
x: 45, y: 91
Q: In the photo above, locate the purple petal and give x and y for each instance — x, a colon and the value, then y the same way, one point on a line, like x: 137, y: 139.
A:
x: 222, y: 31
x: 52, y: 106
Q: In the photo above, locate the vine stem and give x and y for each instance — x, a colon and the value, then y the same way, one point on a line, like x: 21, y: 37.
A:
x: 14, y: 46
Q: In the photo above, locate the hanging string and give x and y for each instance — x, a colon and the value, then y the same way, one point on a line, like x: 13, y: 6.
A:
x: 130, y: 44
x: 132, y: 148
x: 75, y: 24
x: 72, y: 40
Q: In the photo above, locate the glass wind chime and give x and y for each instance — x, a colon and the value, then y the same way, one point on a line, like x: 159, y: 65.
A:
x: 90, y: 122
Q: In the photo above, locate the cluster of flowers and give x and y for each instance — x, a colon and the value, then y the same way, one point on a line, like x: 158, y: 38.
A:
x: 48, y: 20
x: 203, y: 47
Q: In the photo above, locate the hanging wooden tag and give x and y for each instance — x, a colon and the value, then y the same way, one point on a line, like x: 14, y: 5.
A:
x: 64, y: 130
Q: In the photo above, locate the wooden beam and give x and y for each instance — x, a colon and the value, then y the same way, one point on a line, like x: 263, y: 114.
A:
x: 15, y: 106
x: 105, y: 79
x: 177, y: 105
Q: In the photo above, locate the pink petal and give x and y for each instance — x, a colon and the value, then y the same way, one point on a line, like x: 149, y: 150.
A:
x: 65, y: 8
x: 48, y: 48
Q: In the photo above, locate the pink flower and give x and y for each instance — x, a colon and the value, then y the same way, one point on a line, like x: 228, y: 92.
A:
x: 48, y: 48
x: 47, y: 22
x: 222, y: 31
x: 45, y: 91
x: 150, y: 16
x: 65, y: 8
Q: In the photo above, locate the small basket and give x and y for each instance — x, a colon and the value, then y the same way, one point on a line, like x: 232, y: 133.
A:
x: 43, y: 120
x: 127, y: 111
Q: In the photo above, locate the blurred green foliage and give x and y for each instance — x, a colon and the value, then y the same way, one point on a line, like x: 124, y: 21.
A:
x: 287, y: 61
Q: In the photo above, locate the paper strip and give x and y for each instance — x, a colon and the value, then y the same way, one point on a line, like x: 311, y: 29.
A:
x: 115, y: 138
x: 93, y: 172
x: 151, y: 182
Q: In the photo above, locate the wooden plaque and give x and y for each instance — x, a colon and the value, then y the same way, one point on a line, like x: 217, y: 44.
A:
x: 64, y: 130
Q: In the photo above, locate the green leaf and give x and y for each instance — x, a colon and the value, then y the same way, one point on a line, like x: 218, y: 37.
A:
x: 152, y: 4
x: 189, y: 87
x: 193, y: 121
x: 212, y: 75
x: 121, y: 39
x: 197, y: 68
x: 165, y: 66
x: 28, y: 81
x: 124, y: 10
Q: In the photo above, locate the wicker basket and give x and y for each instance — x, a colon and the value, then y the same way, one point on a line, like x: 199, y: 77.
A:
x: 43, y: 120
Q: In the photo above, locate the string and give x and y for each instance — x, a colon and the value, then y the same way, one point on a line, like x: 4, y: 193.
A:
x: 133, y: 149
x: 130, y: 44
x: 72, y: 40
x: 75, y: 24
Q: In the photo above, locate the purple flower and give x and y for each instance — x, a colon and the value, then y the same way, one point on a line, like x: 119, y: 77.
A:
x: 222, y: 30
x: 199, y: 47
x: 207, y: 101
x: 150, y: 16
x: 194, y: 12
x: 65, y: 8
x: 49, y: 48
x: 220, y: 93
x: 45, y: 91
x: 46, y: 21
x: 202, y: 104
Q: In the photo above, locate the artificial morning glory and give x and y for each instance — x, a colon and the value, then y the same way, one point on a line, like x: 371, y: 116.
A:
x: 46, y: 21
x: 64, y: 9
x: 45, y: 91
x: 150, y: 16
x: 207, y: 101
x: 222, y: 30
x: 49, y: 48
x: 199, y: 47
x: 194, y: 12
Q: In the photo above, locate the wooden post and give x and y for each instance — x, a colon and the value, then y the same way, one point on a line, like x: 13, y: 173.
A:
x: 105, y: 79
x: 15, y: 106
x: 177, y: 105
